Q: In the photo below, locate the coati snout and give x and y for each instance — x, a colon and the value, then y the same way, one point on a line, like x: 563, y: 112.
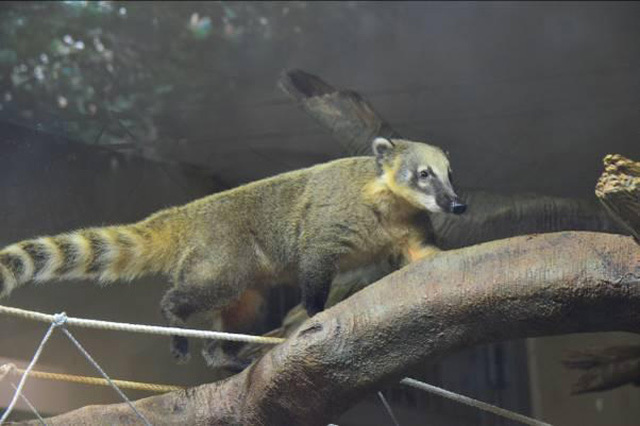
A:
x: 419, y: 173
x: 458, y: 207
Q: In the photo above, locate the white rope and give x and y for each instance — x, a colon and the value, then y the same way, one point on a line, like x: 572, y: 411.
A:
x: 388, y: 408
x: 23, y: 379
x: 138, y: 328
x: 104, y: 374
x: 472, y: 402
x: 5, y: 369
x: 60, y: 319
x: 30, y: 405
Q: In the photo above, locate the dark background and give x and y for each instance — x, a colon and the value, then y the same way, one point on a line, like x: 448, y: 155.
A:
x: 527, y: 97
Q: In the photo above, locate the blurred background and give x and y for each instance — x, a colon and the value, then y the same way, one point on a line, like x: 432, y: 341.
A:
x: 112, y: 110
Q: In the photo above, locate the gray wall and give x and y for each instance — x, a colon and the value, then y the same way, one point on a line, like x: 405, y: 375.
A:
x: 526, y: 96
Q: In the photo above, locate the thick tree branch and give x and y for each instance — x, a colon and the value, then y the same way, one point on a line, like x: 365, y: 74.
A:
x: 521, y: 287
x: 494, y: 216
x: 346, y: 114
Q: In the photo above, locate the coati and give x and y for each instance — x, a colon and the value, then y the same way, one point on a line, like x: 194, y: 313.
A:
x: 301, y: 227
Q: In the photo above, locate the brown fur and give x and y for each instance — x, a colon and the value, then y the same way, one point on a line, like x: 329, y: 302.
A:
x: 302, y: 227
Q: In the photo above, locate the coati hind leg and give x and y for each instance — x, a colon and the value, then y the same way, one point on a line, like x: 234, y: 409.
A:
x: 177, y: 305
x: 201, y: 286
x: 245, y: 315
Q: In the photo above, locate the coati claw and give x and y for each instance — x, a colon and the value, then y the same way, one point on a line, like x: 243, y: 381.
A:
x: 313, y: 306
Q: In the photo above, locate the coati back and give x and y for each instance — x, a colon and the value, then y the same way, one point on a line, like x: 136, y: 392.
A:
x: 301, y: 227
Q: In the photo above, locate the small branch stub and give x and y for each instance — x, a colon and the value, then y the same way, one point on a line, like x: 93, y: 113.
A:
x: 619, y: 190
x: 605, y: 368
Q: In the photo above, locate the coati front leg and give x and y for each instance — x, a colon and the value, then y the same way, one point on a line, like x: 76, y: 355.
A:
x: 317, y: 270
x: 420, y: 251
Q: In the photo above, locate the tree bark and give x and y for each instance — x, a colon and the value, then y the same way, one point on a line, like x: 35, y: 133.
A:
x: 350, y: 118
x: 521, y: 287
x: 619, y: 190
x: 605, y: 368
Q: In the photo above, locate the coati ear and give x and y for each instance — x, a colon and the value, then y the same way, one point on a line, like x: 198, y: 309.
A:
x: 382, y: 147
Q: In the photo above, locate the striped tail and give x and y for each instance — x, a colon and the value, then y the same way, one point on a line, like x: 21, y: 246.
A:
x: 106, y: 254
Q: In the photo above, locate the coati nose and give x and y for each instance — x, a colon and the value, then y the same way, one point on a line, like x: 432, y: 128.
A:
x: 457, y: 207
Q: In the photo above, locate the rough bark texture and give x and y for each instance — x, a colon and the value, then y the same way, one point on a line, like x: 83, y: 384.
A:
x: 521, y: 287
x: 619, y: 190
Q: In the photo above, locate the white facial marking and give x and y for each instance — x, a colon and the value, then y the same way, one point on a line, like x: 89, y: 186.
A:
x: 429, y: 203
x: 423, y: 182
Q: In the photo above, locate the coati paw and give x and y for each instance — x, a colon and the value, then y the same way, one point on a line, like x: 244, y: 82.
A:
x: 314, y: 298
x: 216, y: 358
x: 231, y: 364
x: 314, y: 305
x: 182, y: 359
x: 180, y: 349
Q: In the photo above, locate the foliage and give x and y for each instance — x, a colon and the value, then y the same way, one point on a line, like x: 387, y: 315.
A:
x: 124, y: 73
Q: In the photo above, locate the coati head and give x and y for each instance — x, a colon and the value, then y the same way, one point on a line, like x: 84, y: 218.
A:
x: 419, y: 173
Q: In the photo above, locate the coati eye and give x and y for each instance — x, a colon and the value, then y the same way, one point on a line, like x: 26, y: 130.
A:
x: 424, y: 173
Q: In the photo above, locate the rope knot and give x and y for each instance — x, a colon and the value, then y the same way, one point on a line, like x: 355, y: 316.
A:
x: 60, y: 319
